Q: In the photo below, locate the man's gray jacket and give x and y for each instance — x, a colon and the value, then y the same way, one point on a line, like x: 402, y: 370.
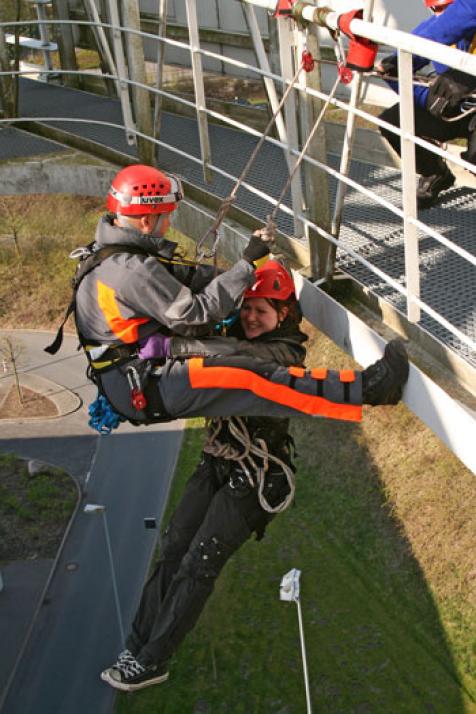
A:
x: 130, y: 296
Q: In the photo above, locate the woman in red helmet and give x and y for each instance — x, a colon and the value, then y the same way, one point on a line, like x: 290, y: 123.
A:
x: 453, y: 22
x: 229, y: 496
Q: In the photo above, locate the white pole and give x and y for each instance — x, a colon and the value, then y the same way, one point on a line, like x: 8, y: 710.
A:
x: 197, y: 72
x: 409, y: 185
x: 346, y: 156
x: 114, y: 581
x: 304, y: 658
x: 288, y: 70
x: 122, y: 73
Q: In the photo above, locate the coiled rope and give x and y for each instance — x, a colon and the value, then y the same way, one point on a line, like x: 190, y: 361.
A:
x: 257, y: 449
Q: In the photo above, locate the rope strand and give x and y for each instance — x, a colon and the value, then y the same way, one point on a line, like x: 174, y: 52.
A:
x: 258, y: 450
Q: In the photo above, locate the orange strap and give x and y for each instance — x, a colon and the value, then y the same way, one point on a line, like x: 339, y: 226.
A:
x: 202, y: 377
x: 319, y: 373
x: 296, y: 371
x: 347, y: 375
x: 126, y: 330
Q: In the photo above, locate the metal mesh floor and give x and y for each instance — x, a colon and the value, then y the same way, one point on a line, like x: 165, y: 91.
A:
x: 448, y: 283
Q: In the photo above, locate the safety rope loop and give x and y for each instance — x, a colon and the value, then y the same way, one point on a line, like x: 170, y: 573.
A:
x: 229, y: 200
x: 258, y: 450
x: 304, y: 149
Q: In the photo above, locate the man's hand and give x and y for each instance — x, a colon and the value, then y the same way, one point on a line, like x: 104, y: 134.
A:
x: 389, y: 66
x: 448, y: 91
x: 155, y: 346
x: 258, y: 247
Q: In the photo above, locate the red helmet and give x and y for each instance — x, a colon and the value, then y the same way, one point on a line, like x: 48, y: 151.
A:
x: 273, y: 282
x: 138, y: 189
x: 438, y: 3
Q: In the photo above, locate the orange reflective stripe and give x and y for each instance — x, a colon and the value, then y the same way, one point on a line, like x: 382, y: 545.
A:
x: 319, y: 373
x: 297, y: 371
x: 347, y: 375
x: 202, y: 377
x: 125, y: 330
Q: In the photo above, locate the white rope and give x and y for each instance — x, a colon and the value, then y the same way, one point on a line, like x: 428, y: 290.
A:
x: 257, y: 449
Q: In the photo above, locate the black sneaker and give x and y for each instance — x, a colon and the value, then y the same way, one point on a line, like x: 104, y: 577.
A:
x: 129, y: 675
x: 430, y: 187
x: 383, y: 381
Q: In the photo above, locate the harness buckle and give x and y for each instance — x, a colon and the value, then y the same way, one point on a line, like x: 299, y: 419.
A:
x: 138, y: 400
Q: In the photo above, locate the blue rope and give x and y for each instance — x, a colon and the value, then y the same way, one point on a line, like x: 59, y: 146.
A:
x: 103, y: 418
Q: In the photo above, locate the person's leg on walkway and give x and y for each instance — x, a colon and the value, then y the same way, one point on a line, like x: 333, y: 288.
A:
x: 427, y: 127
x: 185, y: 522
x: 232, y: 517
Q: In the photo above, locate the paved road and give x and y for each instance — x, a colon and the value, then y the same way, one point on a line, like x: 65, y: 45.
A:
x: 77, y: 633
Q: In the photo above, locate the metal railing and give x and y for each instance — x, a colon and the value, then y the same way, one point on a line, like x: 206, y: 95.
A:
x: 287, y: 126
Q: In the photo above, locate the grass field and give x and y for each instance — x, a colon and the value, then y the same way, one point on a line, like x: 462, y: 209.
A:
x: 383, y: 530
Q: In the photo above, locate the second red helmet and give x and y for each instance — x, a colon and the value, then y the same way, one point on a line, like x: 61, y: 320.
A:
x: 438, y: 3
x: 273, y: 282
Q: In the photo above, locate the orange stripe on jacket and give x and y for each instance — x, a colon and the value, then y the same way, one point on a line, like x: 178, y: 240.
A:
x: 126, y: 330
x: 235, y: 378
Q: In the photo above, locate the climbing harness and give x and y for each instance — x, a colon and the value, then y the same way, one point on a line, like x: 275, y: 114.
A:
x: 246, y: 458
x: 102, y: 417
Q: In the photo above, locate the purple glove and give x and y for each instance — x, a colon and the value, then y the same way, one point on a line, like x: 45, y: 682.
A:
x: 154, y: 347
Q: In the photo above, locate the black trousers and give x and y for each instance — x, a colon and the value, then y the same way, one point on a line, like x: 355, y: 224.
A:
x: 435, y: 130
x: 217, y: 513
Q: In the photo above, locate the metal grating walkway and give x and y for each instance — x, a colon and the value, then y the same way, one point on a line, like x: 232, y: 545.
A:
x: 448, y: 283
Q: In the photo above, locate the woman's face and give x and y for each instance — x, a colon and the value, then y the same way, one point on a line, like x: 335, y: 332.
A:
x: 257, y: 316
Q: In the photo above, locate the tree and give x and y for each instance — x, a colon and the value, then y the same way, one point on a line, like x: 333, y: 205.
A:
x: 12, y: 352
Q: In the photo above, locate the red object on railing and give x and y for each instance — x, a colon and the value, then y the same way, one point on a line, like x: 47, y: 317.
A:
x: 308, y: 61
x: 284, y: 8
x: 345, y: 74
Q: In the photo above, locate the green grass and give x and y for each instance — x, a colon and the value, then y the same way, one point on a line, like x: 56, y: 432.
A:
x: 382, y: 530
x: 35, y: 283
x: 34, y: 510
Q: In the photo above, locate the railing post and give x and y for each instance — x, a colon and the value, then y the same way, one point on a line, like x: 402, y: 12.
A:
x: 346, y: 156
x: 287, y: 53
x: 121, y: 73
x: 409, y: 184
x: 66, y: 45
x: 316, y: 182
x: 43, y: 30
x: 140, y: 96
x: 199, y: 87
x: 263, y: 63
x: 161, y: 33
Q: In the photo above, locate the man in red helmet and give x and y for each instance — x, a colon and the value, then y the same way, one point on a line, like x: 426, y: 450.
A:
x: 453, y: 22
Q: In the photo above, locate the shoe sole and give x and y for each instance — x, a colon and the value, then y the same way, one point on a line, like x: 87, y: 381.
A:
x: 123, y: 687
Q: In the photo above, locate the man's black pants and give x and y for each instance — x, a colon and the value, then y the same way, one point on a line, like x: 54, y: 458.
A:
x: 436, y: 130
x: 217, y: 513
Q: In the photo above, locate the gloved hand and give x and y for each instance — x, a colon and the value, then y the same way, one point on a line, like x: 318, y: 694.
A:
x: 383, y: 381
x: 155, y: 346
x: 258, y: 247
x: 389, y: 65
x: 447, y: 92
